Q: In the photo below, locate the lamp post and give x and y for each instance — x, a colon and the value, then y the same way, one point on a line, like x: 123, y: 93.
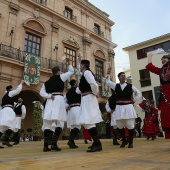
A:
x: 11, y: 34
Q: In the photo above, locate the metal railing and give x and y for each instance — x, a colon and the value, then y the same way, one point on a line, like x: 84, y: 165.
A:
x: 69, y: 15
x: 18, y: 55
x: 98, y: 31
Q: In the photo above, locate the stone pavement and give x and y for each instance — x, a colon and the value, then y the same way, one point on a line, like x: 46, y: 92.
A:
x: 146, y: 155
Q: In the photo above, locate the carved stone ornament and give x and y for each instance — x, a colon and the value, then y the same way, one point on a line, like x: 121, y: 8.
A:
x: 111, y: 53
x: 14, y: 8
x: 36, y: 13
x: 35, y: 25
x: 55, y: 27
x: 87, y: 41
x: 71, y: 42
x: 99, y: 54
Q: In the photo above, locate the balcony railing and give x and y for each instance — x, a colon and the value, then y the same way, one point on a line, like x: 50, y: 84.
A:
x: 98, y: 31
x: 69, y: 15
x: 18, y: 55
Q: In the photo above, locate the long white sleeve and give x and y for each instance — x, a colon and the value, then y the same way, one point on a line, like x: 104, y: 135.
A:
x: 67, y: 75
x: 90, y: 79
x: 16, y: 91
x: 23, y: 109
x: 108, y: 109
x: 78, y: 90
x: 43, y: 93
x: 137, y: 94
x: 111, y: 84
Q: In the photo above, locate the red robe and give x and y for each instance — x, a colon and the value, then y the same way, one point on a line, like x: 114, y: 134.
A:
x: 149, y: 122
x: 163, y: 106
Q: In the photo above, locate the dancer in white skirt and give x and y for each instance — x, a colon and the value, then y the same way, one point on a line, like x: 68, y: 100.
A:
x: 73, y: 101
x: 54, y: 112
x: 124, y: 113
x: 89, y: 110
x: 20, y: 112
x: 7, y: 114
x: 110, y: 108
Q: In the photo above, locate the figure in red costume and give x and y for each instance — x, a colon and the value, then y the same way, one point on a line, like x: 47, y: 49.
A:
x: 149, y: 121
x: 164, y: 100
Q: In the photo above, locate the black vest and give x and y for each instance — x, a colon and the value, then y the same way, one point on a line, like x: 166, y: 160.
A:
x: 6, y: 100
x: 84, y: 86
x: 125, y: 94
x: 112, y: 101
x: 72, y: 96
x: 18, y: 110
x: 54, y: 84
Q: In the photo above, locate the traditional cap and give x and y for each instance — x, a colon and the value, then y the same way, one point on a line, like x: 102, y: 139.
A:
x: 8, y: 87
x: 130, y: 78
x: 72, y: 82
x: 86, y: 62
x: 120, y: 74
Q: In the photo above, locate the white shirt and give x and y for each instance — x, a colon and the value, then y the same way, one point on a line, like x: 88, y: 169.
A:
x: 64, y: 77
x: 16, y: 91
x: 23, y: 109
x: 137, y: 94
x: 90, y: 79
x: 108, y: 109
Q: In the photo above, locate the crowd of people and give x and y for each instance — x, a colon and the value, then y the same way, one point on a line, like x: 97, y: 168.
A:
x: 79, y: 107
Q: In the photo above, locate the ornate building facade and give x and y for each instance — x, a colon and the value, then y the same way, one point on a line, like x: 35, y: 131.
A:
x: 51, y: 29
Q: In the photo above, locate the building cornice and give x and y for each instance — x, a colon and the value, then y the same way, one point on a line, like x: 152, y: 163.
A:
x: 147, y: 42
x: 62, y: 17
x: 94, y: 10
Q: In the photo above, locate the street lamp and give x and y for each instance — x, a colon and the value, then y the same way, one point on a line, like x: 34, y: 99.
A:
x: 11, y: 34
x: 56, y: 49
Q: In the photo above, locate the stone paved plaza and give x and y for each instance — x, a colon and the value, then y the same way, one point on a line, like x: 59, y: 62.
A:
x: 146, y: 155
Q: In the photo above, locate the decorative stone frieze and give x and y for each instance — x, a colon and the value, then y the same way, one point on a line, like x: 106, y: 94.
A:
x: 55, y: 27
x: 14, y: 8
x: 71, y: 42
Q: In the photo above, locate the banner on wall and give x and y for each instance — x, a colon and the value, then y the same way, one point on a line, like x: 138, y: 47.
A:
x: 32, y: 69
x: 105, y: 88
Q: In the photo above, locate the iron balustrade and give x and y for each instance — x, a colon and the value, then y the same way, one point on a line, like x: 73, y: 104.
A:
x: 69, y: 15
x: 18, y: 55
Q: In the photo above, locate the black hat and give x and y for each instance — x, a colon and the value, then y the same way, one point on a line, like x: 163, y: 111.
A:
x: 120, y: 74
x: 86, y: 62
x: 55, y: 69
x: 8, y: 88
x: 72, y: 82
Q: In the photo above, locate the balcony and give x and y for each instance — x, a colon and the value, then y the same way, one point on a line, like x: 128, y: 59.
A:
x: 69, y: 15
x: 98, y: 31
x: 18, y: 55
x: 44, y: 2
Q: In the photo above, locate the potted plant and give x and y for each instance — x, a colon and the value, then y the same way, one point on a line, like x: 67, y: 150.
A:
x: 37, y: 117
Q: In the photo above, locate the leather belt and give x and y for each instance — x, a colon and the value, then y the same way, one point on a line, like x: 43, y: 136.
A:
x: 123, y: 102
x: 17, y: 115
x: 8, y: 105
x: 57, y: 93
x: 74, y: 104
x: 86, y: 93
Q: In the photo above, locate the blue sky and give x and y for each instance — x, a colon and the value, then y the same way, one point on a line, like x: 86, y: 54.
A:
x: 135, y: 21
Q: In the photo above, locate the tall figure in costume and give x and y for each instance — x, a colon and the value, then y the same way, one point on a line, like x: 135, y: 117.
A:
x: 54, y: 112
x: 89, y: 110
x: 124, y: 113
x: 7, y: 114
x: 149, y: 125
x: 164, y: 100
x: 73, y: 101
x: 110, y: 107
x: 20, y: 112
